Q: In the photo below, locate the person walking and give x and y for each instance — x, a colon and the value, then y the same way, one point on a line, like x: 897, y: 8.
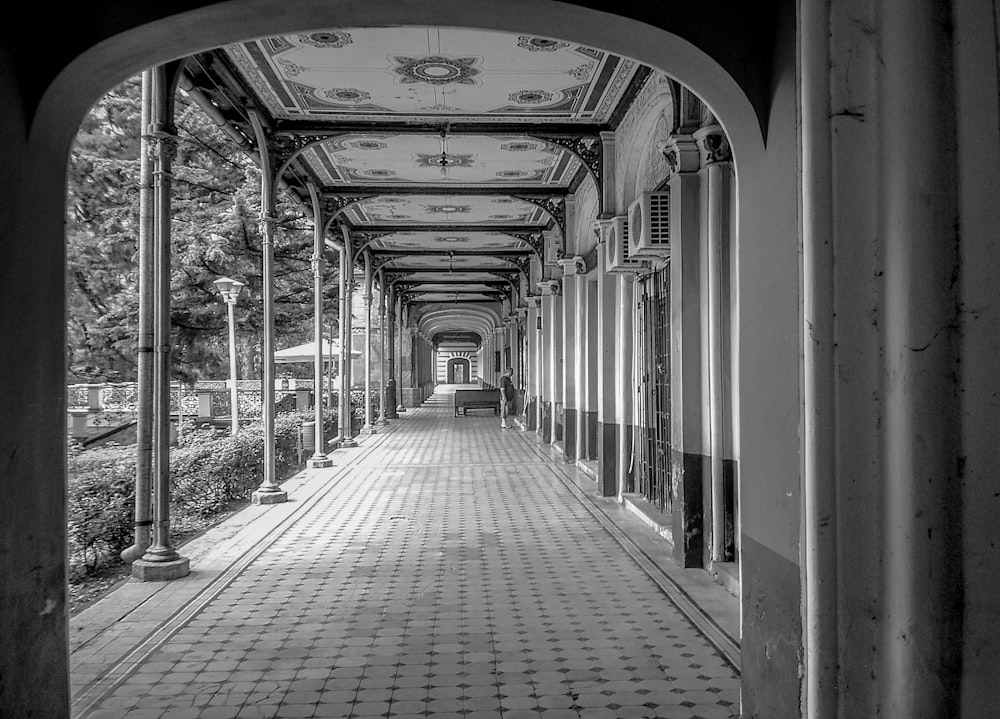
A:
x: 506, y: 397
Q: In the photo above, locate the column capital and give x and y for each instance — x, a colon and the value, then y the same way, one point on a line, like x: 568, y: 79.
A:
x: 571, y: 266
x: 533, y: 302
x: 682, y: 154
x: 549, y: 288
x: 712, y: 144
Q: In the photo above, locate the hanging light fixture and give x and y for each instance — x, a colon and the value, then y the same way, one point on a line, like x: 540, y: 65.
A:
x: 443, y: 160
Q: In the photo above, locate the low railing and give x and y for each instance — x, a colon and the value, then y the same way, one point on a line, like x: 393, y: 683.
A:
x: 94, y: 408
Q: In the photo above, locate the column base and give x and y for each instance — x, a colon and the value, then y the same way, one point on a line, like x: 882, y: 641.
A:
x: 347, y: 443
x: 151, y: 571
x: 264, y: 497
x: 400, y: 410
x: 319, y: 462
x: 368, y: 430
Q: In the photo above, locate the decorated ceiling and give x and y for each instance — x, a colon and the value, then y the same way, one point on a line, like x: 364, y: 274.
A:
x: 448, y: 153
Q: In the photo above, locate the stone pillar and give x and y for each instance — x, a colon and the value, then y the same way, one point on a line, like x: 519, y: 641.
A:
x: 687, y: 453
x: 551, y: 361
x: 570, y: 343
x: 626, y: 380
x: 605, y: 350
x: 716, y: 186
x: 591, y: 378
x: 533, y: 380
x: 319, y: 457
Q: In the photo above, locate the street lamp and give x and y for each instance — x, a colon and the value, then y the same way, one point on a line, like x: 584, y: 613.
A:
x: 230, y: 290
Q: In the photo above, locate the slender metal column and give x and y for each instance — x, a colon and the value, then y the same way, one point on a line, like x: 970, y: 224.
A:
x: 145, y: 343
x: 319, y: 458
x: 234, y: 409
x: 400, y: 407
x: 268, y: 492
x: 346, y: 343
x: 369, y: 427
x: 382, y: 418
x: 389, y: 313
x: 161, y: 562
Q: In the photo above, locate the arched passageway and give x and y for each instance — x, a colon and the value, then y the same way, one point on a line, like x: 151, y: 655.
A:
x: 852, y: 339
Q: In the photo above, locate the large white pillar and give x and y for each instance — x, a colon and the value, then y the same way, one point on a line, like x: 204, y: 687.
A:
x: 572, y: 268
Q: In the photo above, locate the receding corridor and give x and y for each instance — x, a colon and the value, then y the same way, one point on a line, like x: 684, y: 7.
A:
x: 444, y: 568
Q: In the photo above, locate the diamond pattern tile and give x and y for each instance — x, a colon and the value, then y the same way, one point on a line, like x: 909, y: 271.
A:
x: 448, y: 573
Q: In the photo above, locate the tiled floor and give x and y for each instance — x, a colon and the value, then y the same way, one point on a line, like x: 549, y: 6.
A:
x: 445, y: 570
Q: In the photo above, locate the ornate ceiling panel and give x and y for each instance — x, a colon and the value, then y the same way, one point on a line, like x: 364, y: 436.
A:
x: 442, y: 243
x: 441, y: 160
x: 416, y: 73
x: 410, y: 210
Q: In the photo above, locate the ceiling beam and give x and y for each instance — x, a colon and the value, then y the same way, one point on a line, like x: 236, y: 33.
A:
x: 515, y: 127
x: 445, y: 189
x: 448, y: 229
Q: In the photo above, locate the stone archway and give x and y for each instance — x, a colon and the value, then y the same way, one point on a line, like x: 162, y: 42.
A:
x: 459, y: 371
x: 767, y: 180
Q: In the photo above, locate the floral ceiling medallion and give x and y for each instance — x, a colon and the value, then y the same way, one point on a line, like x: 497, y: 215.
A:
x: 444, y: 160
x: 447, y: 209
x: 436, y: 70
x: 518, y: 146
x: 536, y: 44
x: 350, y: 95
x: 327, y: 38
x: 530, y: 97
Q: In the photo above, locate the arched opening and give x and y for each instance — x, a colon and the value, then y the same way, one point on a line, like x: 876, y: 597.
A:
x: 99, y: 67
x: 459, y: 371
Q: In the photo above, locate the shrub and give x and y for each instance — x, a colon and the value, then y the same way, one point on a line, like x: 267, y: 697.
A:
x: 210, y: 472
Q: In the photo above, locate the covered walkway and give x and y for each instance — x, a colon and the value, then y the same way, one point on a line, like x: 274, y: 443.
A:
x: 444, y: 568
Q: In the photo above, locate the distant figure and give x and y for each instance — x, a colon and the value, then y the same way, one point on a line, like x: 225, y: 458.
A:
x: 506, y: 396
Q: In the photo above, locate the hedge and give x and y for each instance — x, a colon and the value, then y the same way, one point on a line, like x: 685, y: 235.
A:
x: 210, y: 472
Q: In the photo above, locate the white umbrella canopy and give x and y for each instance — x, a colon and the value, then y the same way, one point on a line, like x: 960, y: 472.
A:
x: 307, y: 353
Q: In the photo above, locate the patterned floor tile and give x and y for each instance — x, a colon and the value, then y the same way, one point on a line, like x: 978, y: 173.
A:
x: 450, y: 573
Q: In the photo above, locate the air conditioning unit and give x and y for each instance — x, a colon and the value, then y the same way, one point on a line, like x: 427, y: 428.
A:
x: 649, y: 226
x: 616, y: 245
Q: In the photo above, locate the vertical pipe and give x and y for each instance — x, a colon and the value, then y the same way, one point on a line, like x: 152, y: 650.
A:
x: 820, y: 683
x: 145, y: 343
x: 716, y: 207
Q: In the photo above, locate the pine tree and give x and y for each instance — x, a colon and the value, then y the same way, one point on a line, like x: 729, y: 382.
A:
x: 215, y: 232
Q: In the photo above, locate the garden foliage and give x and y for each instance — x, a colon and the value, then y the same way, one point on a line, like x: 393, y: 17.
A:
x: 210, y: 472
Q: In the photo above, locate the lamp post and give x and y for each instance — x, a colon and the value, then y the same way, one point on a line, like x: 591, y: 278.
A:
x: 230, y: 290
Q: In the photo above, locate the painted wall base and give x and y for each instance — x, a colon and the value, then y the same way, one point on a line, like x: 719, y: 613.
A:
x: 590, y: 435
x: 607, y: 459
x: 570, y: 448
x: 689, y: 508
x: 531, y: 413
x: 772, y: 633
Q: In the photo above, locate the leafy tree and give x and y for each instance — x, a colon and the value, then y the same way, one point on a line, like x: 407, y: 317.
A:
x: 215, y: 232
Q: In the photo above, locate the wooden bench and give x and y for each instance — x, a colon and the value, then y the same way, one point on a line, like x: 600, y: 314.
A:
x: 466, y: 399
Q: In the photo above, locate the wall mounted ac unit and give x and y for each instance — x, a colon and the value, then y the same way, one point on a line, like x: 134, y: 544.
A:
x: 616, y: 245
x: 649, y: 226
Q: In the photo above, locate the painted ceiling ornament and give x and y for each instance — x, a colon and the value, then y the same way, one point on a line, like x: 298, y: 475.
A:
x: 530, y: 97
x: 447, y: 209
x: 581, y: 73
x: 378, y: 172
x: 436, y: 70
x: 349, y: 95
x: 444, y: 160
x: 451, y: 239
x: 512, y: 173
x: 368, y: 145
x: 289, y: 68
x: 540, y: 44
x: 327, y: 39
x: 518, y: 146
